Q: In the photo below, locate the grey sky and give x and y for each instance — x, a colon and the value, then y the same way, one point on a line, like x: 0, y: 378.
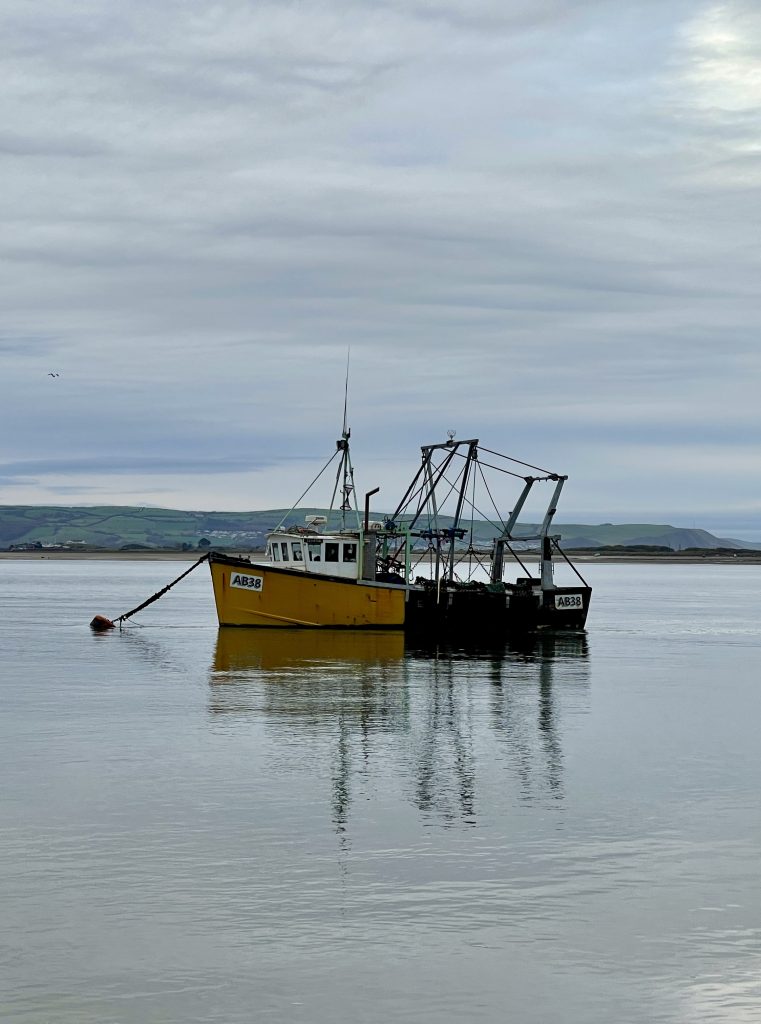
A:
x: 534, y: 222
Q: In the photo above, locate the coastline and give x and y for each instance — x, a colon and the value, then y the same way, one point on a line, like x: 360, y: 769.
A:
x: 103, y: 556
x: 674, y: 558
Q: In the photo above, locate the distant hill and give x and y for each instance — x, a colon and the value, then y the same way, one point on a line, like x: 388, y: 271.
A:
x: 638, y: 534
x: 114, y: 527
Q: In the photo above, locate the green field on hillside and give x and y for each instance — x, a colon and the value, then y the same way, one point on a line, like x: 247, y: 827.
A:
x: 115, y: 527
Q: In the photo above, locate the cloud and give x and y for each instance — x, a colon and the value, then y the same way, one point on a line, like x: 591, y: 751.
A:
x: 724, y: 43
x: 12, y: 144
x: 111, y: 464
x: 536, y: 220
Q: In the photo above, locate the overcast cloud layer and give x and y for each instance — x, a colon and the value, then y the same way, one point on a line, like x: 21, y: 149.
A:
x: 533, y: 221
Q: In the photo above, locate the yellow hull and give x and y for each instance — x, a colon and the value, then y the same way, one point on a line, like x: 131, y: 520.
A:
x: 261, y: 595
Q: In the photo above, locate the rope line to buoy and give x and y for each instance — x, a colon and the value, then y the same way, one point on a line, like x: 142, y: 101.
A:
x: 100, y: 622
x: 160, y: 593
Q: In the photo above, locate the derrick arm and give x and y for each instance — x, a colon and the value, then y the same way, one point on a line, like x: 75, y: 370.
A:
x: 544, y: 531
x: 499, y: 544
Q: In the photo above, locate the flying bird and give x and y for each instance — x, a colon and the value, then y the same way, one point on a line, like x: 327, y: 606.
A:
x: 54, y: 374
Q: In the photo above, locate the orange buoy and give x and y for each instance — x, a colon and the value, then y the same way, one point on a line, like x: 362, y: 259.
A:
x: 100, y: 624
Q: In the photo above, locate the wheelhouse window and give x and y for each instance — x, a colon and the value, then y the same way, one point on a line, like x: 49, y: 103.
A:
x: 298, y: 555
x: 331, y: 552
x: 284, y: 549
x: 314, y: 550
x: 350, y: 553
x: 275, y: 552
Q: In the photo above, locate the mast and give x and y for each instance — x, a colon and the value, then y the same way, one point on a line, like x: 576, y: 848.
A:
x: 432, y: 476
x: 470, y: 458
x: 346, y: 472
x: 434, y: 506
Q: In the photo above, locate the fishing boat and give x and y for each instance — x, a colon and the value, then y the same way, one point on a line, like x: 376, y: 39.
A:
x: 415, y: 570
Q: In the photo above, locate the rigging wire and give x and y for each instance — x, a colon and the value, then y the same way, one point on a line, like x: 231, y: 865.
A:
x: 478, y: 560
x: 430, y: 550
x: 429, y: 485
x: 475, y: 507
x: 499, y: 526
x: 517, y: 559
x: 338, y: 474
x: 509, y: 472
x: 518, y: 461
x: 422, y: 499
x: 488, y: 491
x: 451, y: 486
x: 473, y: 498
x: 472, y: 520
x: 309, y: 488
x: 565, y: 556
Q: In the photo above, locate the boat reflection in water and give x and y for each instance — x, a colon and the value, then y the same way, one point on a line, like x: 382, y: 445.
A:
x: 434, y: 719
x: 241, y: 650
x: 500, y: 702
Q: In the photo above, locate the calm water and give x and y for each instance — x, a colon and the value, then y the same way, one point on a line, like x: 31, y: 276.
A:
x: 233, y: 827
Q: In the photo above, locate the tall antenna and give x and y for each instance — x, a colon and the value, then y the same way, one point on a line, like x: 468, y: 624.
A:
x: 348, y: 496
x: 346, y: 391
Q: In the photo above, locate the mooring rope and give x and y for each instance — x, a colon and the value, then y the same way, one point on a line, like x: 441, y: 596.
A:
x: 100, y: 622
